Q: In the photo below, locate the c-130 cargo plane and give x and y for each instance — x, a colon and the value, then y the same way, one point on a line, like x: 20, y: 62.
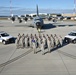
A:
x: 37, y: 20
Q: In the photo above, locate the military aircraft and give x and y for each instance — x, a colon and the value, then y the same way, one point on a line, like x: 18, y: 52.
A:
x: 37, y: 20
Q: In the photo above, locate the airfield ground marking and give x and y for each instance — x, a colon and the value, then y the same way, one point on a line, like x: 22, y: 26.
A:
x: 14, y: 59
x: 63, y: 62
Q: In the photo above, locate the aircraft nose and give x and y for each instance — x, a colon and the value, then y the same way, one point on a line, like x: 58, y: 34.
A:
x: 38, y: 24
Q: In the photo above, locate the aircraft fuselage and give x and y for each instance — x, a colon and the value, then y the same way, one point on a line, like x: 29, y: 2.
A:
x: 38, y: 21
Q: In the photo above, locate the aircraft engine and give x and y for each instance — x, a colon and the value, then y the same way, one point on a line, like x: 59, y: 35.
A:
x: 54, y: 20
x: 13, y: 18
x: 20, y: 20
x: 49, y: 18
x: 25, y: 18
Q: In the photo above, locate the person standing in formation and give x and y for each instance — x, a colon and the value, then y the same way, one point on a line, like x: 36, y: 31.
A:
x: 23, y: 41
x: 57, y: 41
x: 18, y: 41
x: 39, y: 41
x: 26, y: 41
x: 42, y: 47
x: 49, y: 44
x: 52, y: 41
x: 61, y: 40
x: 30, y: 40
x: 34, y: 45
x: 36, y: 40
x: 44, y: 41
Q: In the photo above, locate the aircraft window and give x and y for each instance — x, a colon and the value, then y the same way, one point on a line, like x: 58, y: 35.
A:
x: 4, y: 34
x: 72, y: 34
x: 37, y: 19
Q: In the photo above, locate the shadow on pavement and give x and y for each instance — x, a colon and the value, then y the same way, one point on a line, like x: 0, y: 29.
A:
x: 56, y: 48
x: 62, y: 52
x: 48, y: 26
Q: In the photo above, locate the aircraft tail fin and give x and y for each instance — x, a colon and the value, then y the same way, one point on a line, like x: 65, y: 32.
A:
x: 37, y: 10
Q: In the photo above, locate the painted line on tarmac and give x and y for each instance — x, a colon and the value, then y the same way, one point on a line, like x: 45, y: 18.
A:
x: 67, y: 54
x: 16, y: 58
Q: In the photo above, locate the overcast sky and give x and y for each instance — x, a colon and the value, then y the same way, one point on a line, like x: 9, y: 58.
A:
x: 29, y: 6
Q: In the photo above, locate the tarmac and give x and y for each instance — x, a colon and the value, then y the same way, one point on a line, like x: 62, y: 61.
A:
x: 61, y: 61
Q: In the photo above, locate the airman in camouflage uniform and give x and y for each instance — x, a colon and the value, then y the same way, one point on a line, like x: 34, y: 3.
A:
x: 30, y: 40
x: 18, y: 41
x: 61, y: 40
x: 49, y: 44
x: 23, y: 41
x: 26, y: 41
x: 34, y: 45
x: 42, y: 47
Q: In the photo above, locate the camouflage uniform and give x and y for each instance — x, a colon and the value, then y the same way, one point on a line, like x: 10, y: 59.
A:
x: 42, y: 47
x: 23, y: 41
x: 26, y: 40
x: 34, y: 45
x: 30, y: 40
x: 53, y: 41
x: 39, y: 42
x: 61, y: 40
x: 57, y: 41
x: 36, y: 40
x: 18, y: 40
x: 44, y: 41
x: 49, y: 44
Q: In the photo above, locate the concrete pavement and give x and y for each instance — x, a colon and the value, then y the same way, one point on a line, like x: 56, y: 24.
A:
x: 61, y: 61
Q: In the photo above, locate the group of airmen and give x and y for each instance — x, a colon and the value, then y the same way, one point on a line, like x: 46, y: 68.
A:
x: 40, y: 42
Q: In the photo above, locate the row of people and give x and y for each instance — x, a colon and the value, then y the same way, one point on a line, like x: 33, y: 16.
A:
x: 40, y: 41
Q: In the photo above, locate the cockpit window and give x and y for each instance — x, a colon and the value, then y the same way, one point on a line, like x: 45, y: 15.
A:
x: 37, y: 19
x: 72, y: 34
x: 4, y: 34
